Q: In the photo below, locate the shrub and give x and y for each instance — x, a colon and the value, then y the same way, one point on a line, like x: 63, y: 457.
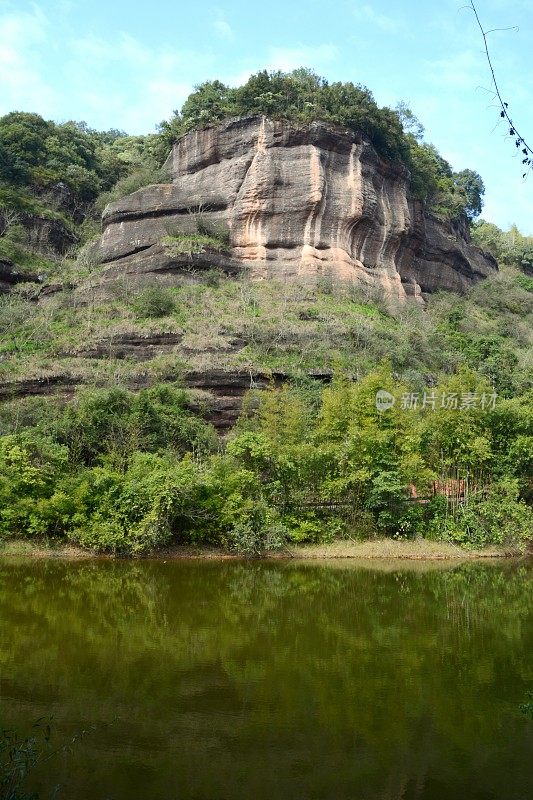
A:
x: 30, y: 467
x: 130, y: 515
x: 249, y: 540
x: 497, y: 517
x: 216, y: 231
x: 192, y: 243
x: 311, y: 529
x: 129, y: 473
x: 114, y: 423
x: 145, y: 175
x: 154, y: 302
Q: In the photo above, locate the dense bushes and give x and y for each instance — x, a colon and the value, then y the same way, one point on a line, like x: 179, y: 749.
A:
x: 36, y: 153
x: 64, y: 173
x: 508, y: 247
x: 130, y: 474
x: 129, y: 505
x: 126, y: 472
x: 154, y: 302
x: 371, y: 460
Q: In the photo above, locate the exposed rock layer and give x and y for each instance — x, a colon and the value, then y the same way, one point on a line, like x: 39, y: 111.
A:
x: 222, y: 391
x: 49, y: 235
x: 299, y: 201
x: 9, y: 276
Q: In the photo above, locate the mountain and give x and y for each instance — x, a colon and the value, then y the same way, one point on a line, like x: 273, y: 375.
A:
x: 326, y: 262
x: 294, y: 201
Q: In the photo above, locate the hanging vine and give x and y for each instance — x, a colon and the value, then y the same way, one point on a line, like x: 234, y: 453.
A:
x: 520, y: 142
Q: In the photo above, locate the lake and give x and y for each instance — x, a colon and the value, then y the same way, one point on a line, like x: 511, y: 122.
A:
x: 273, y: 680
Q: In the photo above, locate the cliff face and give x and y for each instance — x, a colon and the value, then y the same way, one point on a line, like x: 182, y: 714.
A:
x: 299, y: 201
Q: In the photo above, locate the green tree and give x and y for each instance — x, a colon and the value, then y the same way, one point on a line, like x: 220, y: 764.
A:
x: 471, y: 183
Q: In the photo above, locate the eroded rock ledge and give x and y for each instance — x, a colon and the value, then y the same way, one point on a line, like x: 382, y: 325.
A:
x: 10, y: 276
x: 299, y: 201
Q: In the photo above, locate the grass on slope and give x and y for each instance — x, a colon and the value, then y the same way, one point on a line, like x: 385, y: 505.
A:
x: 269, y: 325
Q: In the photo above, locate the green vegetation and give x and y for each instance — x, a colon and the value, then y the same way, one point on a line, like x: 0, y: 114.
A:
x: 303, y: 96
x: 269, y: 325
x: 36, y: 155
x: 65, y: 174
x: 193, y: 243
x: 154, y: 302
x: 55, y: 181
x: 130, y: 473
x: 14, y: 247
x: 115, y: 470
x: 508, y: 247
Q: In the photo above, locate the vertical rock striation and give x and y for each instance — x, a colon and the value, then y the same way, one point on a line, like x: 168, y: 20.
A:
x: 300, y: 201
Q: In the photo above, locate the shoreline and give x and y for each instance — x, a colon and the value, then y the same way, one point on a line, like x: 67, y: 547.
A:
x: 371, y: 550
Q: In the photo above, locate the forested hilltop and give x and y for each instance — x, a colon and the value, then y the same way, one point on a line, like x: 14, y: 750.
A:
x: 66, y: 172
x: 104, y: 442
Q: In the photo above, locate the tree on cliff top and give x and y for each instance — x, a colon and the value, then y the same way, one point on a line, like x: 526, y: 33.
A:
x: 37, y: 155
x: 300, y: 95
x: 304, y: 96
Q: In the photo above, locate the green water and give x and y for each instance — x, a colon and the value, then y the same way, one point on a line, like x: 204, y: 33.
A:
x: 279, y: 680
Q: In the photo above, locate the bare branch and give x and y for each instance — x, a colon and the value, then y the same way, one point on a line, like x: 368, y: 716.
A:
x: 8, y: 218
x: 520, y: 142
x: 514, y: 28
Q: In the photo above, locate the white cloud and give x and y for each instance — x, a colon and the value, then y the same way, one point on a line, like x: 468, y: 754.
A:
x: 223, y: 29
x: 165, y: 96
x: 124, y: 49
x: 24, y: 27
x: 23, y: 87
x: 239, y: 78
x: 459, y: 71
x: 287, y: 59
x: 113, y: 81
x: 148, y: 85
x: 387, y: 23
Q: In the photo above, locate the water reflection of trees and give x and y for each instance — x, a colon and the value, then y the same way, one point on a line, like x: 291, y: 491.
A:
x: 275, y: 679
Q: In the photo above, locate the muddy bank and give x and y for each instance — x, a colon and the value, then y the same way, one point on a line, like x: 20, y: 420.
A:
x: 385, y: 549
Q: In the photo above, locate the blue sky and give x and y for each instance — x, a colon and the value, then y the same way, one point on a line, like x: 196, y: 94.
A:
x: 127, y: 64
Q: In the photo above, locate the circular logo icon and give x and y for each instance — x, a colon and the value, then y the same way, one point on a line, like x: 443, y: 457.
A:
x: 384, y: 400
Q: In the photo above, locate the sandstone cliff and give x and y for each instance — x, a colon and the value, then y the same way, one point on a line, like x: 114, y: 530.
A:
x: 299, y: 201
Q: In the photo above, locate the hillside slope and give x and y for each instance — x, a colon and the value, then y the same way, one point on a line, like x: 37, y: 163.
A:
x: 112, y: 373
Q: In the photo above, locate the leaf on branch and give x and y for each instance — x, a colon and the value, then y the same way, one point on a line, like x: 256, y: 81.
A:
x: 519, y: 140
